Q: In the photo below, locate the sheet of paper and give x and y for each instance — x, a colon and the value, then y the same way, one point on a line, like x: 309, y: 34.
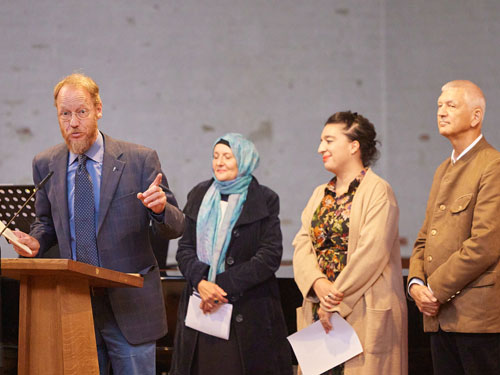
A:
x: 12, y: 238
x: 318, y: 352
x: 215, y: 324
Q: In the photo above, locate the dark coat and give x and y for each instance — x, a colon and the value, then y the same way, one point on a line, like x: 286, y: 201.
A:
x: 253, y: 256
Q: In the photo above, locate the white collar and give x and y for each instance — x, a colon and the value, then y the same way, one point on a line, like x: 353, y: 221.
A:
x: 454, y: 160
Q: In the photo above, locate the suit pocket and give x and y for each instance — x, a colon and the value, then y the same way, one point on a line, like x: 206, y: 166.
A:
x: 117, y: 200
x: 461, y: 203
x: 148, y: 270
x: 378, y: 330
x: 478, y: 297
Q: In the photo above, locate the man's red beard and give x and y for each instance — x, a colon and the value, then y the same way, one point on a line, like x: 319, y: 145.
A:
x: 79, y: 146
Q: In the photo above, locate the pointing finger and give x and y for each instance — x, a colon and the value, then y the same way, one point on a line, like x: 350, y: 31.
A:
x: 157, y: 180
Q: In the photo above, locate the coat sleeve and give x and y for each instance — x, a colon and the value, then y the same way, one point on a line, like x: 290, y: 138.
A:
x: 377, y: 234
x: 172, y: 224
x: 267, y: 258
x: 305, y: 263
x: 417, y: 258
x: 43, y: 227
x: 480, y: 250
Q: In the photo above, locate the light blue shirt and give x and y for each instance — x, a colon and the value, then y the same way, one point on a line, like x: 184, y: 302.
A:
x: 95, y: 156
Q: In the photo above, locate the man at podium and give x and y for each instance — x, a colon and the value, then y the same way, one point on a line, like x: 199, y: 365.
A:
x: 98, y: 206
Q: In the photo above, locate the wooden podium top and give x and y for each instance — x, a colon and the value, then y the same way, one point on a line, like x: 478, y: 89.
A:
x: 97, y: 276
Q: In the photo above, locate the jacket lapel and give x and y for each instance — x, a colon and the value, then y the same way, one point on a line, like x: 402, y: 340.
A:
x: 59, y: 165
x: 112, y: 169
x: 255, y: 211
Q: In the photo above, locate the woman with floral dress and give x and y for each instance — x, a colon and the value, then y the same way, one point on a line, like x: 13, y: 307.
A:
x: 347, y: 257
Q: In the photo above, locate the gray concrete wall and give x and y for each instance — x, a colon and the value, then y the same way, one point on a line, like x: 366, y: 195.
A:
x: 176, y: 75
x: 428, y: 44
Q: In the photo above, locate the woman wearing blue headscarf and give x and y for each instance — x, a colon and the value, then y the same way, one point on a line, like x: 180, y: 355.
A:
x: 229, y: 252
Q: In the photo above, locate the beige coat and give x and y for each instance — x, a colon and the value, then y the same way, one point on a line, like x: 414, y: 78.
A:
x: 374, y: 300
x: 457, y: 250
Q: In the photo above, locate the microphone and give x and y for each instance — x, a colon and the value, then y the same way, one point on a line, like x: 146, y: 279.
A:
x: 37, y: 187
x: 44, y: 181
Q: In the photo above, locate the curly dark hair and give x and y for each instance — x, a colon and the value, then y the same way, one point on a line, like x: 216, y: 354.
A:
x: 358, y: 128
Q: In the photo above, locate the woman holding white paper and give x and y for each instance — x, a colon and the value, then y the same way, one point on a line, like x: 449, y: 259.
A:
x: 229, y: 252
x: 347, y: 257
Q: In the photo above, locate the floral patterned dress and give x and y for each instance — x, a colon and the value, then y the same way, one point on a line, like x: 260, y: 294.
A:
x: 330, y: 236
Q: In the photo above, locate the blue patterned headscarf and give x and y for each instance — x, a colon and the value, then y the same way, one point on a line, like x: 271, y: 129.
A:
x: 212, y: 236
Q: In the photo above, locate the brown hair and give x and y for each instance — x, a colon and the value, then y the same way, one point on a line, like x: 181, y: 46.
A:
x: 79, y: 80
x: 358, y: 128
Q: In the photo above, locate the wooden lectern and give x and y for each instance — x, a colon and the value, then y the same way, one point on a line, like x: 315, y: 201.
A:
x: 56, y: 327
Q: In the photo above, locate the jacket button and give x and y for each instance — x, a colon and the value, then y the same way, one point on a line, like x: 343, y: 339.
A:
x: 442, y: 207
x: 236, y: 233
x: 429, y: 258
x: 239, y: 318
x: 230, y: 260
x: 434, y: 232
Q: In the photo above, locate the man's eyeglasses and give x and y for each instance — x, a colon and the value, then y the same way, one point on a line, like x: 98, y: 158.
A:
x: 68, y: 115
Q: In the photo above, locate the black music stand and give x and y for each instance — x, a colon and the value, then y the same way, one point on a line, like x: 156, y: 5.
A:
x: 12, y: 197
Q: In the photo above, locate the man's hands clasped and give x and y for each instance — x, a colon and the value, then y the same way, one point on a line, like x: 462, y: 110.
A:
x: 426, y: 302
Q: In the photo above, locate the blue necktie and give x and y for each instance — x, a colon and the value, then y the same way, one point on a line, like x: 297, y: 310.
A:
x: 86, y: 243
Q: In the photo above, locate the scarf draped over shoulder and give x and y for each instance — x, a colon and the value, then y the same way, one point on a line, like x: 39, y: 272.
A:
x: 212, y: 235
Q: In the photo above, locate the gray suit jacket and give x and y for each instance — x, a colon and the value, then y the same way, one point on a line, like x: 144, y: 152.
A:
x: 122, y: 233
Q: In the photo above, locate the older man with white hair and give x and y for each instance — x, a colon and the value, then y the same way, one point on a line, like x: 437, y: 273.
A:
x: 454, y: 267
